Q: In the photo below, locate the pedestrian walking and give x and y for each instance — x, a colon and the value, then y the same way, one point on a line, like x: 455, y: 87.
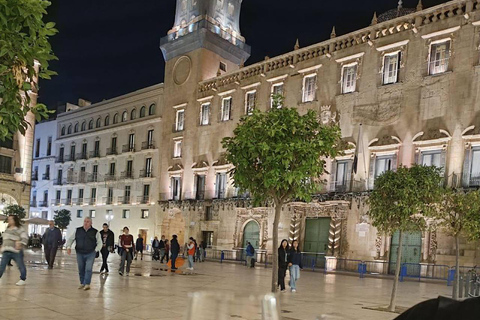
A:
x: 108, y: 243
x: 202, y: 251
x: 294, y: 264
x: 126, y: 242
x: 197, y: 251
x: 191, y: 253
x: 175, y: 249
x: 167, y: 250
x: 250, y: 250
x: 155, y: 249
x: 51, y: 239
x: 87, y: 243
x: 163, y: 250
x: 13, y: 241
x: 139, y: 247
x: 282, y: 263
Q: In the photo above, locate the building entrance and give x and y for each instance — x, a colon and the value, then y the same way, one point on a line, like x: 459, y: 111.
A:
x: 411, y: 252
x: 251, y: 233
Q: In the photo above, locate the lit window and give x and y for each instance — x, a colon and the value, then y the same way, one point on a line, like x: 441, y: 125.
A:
x: 391, y: 66
x: 205, y: 114
x: 175, y: 187
x: 431, y: 158
x: 309, y: 87
x: 439, y: 56
x: 383, y: 164
x: 177, y: 149
x: 226, y: 108
x: 349, y: 78
x: 250, y: 99
x: 124, y: 116
x: 92, y: 213
x: 126, y: 214
x: 221, y: 185
x: 180, y: 120
x: 145, y: 213
x: 277, y: 90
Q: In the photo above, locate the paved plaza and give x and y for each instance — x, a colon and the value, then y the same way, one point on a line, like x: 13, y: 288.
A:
x: 152, y: 293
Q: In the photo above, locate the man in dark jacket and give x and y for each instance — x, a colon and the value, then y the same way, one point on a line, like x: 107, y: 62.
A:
x: 161, y: 247
x: 108, y: 243
x: 443, y: 309
x: 52, y: 239
x: 175, y: 249
x: 87, y: 243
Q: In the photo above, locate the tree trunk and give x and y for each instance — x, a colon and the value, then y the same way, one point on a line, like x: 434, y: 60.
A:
x: 276, y: 220
x: 393, y: 298
x: 456, y: 283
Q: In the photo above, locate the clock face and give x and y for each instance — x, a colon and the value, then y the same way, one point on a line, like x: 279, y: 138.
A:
x: 181, y: 70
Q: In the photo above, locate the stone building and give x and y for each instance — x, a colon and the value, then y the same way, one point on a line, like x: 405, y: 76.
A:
x: 410, y: 80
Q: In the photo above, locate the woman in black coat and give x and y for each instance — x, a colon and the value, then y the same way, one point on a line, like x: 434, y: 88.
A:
x: 282, y: 263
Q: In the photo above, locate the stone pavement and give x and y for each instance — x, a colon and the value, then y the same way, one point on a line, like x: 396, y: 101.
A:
x: 155, y: 294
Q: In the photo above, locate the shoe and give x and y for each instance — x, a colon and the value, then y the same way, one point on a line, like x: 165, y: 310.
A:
x: 81, y: 286
x: 101, y: 270
x: 50, y: 267
x: 20, y: 283
x: 120, y: 273
x: 283, y: 291
x: 127, y: 274
x: 106, y: 272
x: 294, y: 290
x: 87, y: 287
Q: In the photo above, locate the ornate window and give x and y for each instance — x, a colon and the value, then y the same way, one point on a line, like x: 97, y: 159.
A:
x: 69, y: 130
x: 180, y: 120
x: 84, y: 126
x: 90, y: 125
x: 99, y: 122
x: 277, y: 89
x: 76, y: 128
x: 133, y: 114
x: 250, y: 100
x: 309, y: 87
x: 205, y: 114
x: 107, y: 120
x: 226, y: 109
x: 142, y: 112
x: 62, y: 131
x: 391, y: 67
x: 115, y: 118
x: 349, y: 78
x: 124, y: 116
x: 439, y: 57
x: 151, y: 109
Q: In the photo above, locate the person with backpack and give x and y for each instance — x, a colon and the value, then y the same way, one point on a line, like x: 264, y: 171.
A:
x: 191, y: 253
x: 282, y: 263
x: 250, y: 250
x: 295, y: 264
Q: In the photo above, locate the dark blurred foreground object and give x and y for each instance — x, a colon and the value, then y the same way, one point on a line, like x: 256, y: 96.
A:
x: 444, y: 309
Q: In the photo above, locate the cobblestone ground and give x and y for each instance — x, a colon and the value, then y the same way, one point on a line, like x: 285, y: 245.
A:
x: 152, y: 293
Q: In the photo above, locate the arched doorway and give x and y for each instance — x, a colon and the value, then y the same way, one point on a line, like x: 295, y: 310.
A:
x: 251, y: 233
x: 172, y: 224
x: 5, y: 201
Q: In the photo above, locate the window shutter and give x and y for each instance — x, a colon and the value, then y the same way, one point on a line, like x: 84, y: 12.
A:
x: 466, y: 167
x: 371, y: 172
x: 333, y: 175
x: 349, y: 175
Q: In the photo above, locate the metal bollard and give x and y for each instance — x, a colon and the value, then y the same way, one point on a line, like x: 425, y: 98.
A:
x: 451, y: 277
x: 403, y: 272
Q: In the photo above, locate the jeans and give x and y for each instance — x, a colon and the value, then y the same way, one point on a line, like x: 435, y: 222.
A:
x: 125, y: 256
x: 85, y: 267
x: 18, y: 257
x: 202, y: 254
x: 190, y: 261
x: 50, y: 253
x: 281, y: 277
x: 294, y: 276
x: 174, y: 257
x: 162, y: 255
x: 105, y: 254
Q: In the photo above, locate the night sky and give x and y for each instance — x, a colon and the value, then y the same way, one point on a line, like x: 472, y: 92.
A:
x: 107, y: 48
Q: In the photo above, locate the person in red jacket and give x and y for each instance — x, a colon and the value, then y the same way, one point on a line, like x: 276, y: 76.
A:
x: 191, y: 253
x: 128, y: 248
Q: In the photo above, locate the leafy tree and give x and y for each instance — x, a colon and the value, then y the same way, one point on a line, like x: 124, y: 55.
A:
x: 62, y: 219
x: 399, y: 201
x: 279, y: 155
x: 458, y: 214
x: 23, y: 44
x: 16, y: 210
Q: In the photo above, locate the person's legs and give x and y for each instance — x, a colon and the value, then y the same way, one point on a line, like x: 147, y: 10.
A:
x: 190, y: 261
x: 18, y: 257
x: 129, y: 261
x: 249, y: 261
x: 104, y: 253
x: 292, y: 278
x: 162, y: 255
x: 5, y: 261
x: 167, y: 256
x: 53, y: 254
x: 81, y: 267
x: 281, y: 278
x: 122, y: 261
x: 174, y: 257
x: 89, y: 260
x: 47, y: 251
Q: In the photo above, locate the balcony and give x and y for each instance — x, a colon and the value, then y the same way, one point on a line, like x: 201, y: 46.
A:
x: 128, y: 148
x: 109, y: 177
x: 46, y: 176
x: 82, y: 178
x: 112, y: 151
x: 81, y: 156
x: 143, y: 199
x: 107, y: 200
x: 33, y: 203
x: 35, y: 176
x: 127, y: 175
x: 94, y: 154
x: 78, y: 202
x: 90, y: 201
x: 43, y: 204
x: 148, y: 145
x: 93, y: 177
x: 70, y: 157
x: 67, y: 202
x: 146, y: 174
x: 125, y: 200
x: 56, y: 202
x: 59, y: 182
x: 59, y: 159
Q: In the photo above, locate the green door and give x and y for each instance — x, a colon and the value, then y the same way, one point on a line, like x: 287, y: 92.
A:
x: 251, y: 234
x: 411, y: 252
x: 316, y: 240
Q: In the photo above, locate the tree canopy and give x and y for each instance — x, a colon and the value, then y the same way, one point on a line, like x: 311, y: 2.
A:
x: 62, y: 218
x: 24, y: 47
x: 16, y: 210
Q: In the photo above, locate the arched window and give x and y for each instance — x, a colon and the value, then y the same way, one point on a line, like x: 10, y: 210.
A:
x: 63, y: 131
x: 69, y: 130
x: 124, y: 116
x: 84, y: 125
x: 99, y: 122
x: 151, y: 110
x: 90, y: 125
x: 107, y: 120
x: 76, y: 128
x: 133, y: 114
x: 142, y: 112
x: 115, y: 118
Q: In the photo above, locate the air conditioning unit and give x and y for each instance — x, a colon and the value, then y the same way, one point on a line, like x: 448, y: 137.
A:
x: 18, y: 170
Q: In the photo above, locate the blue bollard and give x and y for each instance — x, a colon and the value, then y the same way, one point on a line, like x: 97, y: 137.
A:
x: 222, y: 257
x: 403, y: 272
x: 451, y: 277
x: 362, y: 269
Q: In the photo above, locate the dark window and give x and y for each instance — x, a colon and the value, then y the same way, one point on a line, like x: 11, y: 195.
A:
x: 142, y: 112
x: 151, y: 110
x: 5, y: 164
x: 37, y: 149
x: 208, y: 213
x: 49, y: 146
x: 8, y: 143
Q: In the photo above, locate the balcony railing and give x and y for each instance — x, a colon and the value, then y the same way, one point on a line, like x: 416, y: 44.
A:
x: 67, y: 202
x: 107, y: 200
x: 59, y: 182
x: 78, y: 202
x: 82, y: 177
x: 128, y: 148
x: 60, y: 159
x: 146, y: 174
x: 43, y: 204
x: 35, y: 176
x: 33, y: 204
x: 125, y: 200
x: 70, y: 157
x: 94, y: 154
x: 109, y: 177
x: 93, y: 177
x: 90, y: 201
x: 127, y: 175
x: 143, y: 199
x: 148, y: 145
x: 111, y: 151
x: 46, y: 176
x: 56, y: 202
x: 81, y: 156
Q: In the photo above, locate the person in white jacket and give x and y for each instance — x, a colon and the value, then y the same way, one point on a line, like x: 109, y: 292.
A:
x: 14, y: 239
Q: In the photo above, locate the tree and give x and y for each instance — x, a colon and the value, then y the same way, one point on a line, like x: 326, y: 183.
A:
x: 24, y: 48
x: 399, y: 201
x: 457, y: 214
x: 16, y: 210
x: 279, y: 155
x: 62, y: 219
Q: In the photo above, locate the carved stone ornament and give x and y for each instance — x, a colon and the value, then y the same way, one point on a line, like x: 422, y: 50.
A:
x: 326, y: 115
